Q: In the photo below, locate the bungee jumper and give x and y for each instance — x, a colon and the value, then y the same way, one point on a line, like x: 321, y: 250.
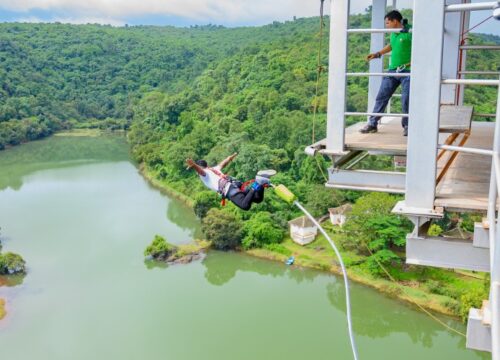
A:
x: 242, y: 194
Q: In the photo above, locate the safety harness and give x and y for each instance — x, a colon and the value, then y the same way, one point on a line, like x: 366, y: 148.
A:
x: 224, y: 180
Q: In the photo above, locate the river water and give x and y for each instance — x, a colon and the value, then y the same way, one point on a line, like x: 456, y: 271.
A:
x: 81, y: 215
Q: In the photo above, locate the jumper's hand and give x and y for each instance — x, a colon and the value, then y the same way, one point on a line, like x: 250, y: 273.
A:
x: 190, y: 163
x: 372, y: 56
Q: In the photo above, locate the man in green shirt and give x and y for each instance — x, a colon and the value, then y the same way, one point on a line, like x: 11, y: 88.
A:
x: 400, y: 48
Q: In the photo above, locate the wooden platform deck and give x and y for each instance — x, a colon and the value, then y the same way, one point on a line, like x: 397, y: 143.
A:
x: 390, y: 140
x: 466, y: 183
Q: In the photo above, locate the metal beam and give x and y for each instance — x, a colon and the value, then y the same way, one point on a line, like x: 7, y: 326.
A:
x: 446, y: 253
x: 425, y: 90
x: 337, y: 81
x: 376, y: 44
x: 495, y: 245
x: 451, y: 46
x: 382, y: 180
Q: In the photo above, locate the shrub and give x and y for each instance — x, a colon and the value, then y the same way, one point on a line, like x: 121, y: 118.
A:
x: 472, y: 299
x: 158, y: 247
x: 261, y: 230
x: 222, y: 228
x: 11, y: 263
x: 435, y: 230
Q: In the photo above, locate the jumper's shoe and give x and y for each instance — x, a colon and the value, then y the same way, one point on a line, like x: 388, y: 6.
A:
x: 263, y: 176
x: 405, y: 131
x: 368, y: 129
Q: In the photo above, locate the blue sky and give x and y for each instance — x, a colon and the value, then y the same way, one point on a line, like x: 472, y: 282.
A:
x: 183, y: 12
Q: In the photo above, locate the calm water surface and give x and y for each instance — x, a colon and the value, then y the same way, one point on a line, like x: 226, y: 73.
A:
x: 81, y: 215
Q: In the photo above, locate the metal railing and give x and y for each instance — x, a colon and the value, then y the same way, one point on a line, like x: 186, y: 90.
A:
x: 490, y: 5
x: 376, y: 31
x: 471, y: 82
x: 480, y: 47
x: 395, y: 74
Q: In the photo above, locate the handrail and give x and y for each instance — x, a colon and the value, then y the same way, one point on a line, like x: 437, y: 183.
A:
x: 480, y: 47
x: 465, y: 150
x: 484, y: 115
x: 395, y: 74
x: 474, y: 72
x: 375, y: 31
x: 373, y: 114
x: 471, y: 82
x: 471, y: 7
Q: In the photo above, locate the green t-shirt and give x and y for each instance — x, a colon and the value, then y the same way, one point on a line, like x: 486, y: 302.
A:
x: 401, y: 50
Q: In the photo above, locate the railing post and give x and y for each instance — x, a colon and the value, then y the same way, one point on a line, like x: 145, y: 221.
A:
x: 451, y: 52
x: 337, y: 81
x: 376, y: 43
x: 425, y: 95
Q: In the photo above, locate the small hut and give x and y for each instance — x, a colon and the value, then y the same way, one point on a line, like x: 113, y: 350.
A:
x: 399, y: 162
x: 338, y: 215
x: 302, y: 230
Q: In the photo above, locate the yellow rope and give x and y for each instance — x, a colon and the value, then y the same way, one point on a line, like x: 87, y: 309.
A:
x: 319, y: 70
x: 410, y: 300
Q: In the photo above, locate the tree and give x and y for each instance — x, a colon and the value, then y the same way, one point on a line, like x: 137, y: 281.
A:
x: 261, y: 230
x: 204, y: 201
x: 223, y: 229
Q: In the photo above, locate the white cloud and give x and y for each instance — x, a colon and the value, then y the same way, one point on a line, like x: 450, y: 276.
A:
x: 222, y: 10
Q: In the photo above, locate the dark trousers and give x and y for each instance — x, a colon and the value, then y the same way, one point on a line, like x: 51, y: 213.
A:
x: 387, y: 89
x: 244, y: 199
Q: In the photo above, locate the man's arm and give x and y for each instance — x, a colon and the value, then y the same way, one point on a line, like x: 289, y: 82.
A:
x: 386, y: 49
x: 227, y: 160
x: 191, y: 164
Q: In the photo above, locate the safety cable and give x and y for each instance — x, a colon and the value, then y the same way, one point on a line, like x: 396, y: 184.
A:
x: 344, y: 273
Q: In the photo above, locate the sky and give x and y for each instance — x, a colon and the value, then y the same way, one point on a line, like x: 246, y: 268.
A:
x: 183, y: 12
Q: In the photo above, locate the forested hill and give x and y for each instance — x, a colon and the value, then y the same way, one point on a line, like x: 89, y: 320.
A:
x: 59, y: 75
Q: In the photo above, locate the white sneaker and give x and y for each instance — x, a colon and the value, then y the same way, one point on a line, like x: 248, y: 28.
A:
x: 266, y: 173
x: 262, y: 180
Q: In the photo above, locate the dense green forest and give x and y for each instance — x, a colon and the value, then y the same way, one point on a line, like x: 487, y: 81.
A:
x: 207, y: 92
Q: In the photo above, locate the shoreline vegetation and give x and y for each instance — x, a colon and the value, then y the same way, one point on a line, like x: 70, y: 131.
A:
x: 318, y: 256
x: 2, y: 309
x: 161, y: 250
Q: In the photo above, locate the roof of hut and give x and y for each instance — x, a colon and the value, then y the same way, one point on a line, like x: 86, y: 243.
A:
x: 343, y: 209
x: 302, y: 221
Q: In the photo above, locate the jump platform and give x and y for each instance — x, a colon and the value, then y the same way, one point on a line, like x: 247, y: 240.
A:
x: 463, y: 186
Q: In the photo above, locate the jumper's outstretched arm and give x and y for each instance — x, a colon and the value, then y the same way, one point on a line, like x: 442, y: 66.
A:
x: 191, y: 164
x: 227, y: 160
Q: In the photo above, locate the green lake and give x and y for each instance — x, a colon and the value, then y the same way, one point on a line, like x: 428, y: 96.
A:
x: 79, y: 212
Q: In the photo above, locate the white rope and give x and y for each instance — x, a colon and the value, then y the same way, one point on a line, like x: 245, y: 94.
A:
x: 344, y: 273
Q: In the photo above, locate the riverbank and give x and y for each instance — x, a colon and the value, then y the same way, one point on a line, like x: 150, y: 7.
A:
x: 164, y: 188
